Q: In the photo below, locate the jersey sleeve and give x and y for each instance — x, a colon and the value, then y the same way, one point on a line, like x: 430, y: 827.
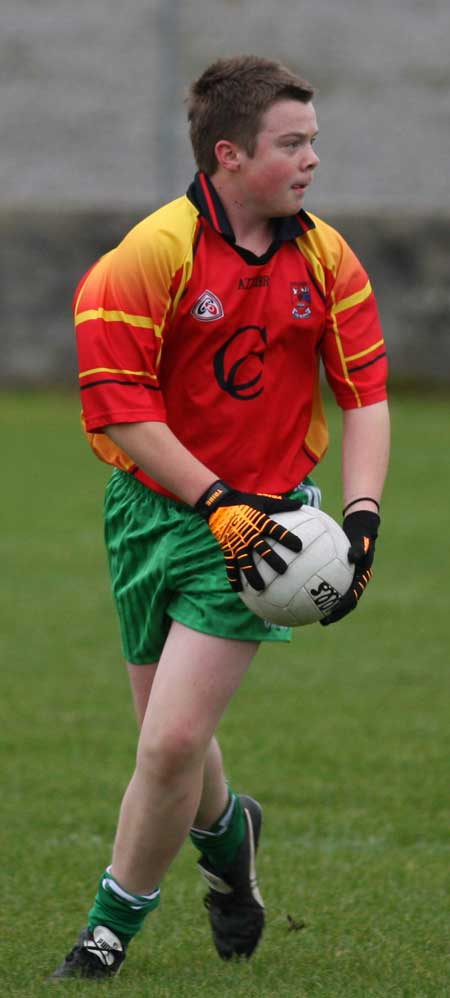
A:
x: 353, y: 346
x: 122, y: 310
x: 119, y: 311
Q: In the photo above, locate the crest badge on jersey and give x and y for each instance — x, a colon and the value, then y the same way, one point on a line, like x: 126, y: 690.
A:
x: 301, y: 301
x: 207, y: 308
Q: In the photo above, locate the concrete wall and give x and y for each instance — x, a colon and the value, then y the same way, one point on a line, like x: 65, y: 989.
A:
x: 92, y: 137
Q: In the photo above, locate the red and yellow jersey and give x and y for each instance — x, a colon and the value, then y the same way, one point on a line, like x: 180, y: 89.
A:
x: 178, y: 324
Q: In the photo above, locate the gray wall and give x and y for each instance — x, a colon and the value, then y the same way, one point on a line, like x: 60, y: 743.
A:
x: 92, y: 137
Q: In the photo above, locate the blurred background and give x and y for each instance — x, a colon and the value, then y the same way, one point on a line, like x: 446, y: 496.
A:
x: 93, y: 137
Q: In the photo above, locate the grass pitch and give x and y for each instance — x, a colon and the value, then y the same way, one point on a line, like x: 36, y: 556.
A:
x: 343, y: 736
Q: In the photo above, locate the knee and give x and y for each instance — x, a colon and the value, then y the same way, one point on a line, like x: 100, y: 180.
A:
x: 169, y: 752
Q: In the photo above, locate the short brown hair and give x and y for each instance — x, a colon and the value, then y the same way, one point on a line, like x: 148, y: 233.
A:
x: 229, y: 99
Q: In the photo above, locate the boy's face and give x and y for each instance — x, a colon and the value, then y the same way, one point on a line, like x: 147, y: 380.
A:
x: 275, y: 179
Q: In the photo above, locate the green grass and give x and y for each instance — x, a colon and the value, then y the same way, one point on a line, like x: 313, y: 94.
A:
x: 343, y: 736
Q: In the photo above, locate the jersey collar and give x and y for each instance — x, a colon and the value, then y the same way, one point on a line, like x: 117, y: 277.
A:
x: 204, y: 196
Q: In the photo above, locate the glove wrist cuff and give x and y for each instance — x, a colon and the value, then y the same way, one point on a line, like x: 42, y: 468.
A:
x: 211, y: 499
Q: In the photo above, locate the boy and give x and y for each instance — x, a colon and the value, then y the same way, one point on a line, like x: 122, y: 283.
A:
x: 199, y: 339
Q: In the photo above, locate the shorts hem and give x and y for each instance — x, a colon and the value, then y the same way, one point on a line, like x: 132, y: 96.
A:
x: 268, y: 635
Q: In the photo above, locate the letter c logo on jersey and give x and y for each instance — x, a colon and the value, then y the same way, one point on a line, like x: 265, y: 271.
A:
x: 238, y: 365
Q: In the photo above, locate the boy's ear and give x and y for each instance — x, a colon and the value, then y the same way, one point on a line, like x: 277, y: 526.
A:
x: 227, y: 155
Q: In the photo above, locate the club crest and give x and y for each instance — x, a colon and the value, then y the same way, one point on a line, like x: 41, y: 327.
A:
x: 207, y: 308
x: 301, y: 301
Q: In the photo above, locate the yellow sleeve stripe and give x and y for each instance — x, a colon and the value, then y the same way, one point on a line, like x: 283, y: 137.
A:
x: 356, y: 356
x: 141, y: 321
x: 340, y: 350
x: 116, y: 370
x: 352, y: 300
x: 314, y: 260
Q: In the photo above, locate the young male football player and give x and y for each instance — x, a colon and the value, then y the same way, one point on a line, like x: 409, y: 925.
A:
x: 199, y: 342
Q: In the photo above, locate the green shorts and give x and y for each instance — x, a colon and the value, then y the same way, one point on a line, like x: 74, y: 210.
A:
x: 166, y: 565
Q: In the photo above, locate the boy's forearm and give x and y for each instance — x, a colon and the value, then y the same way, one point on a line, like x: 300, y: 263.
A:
x: 365, y: 454
x: 159, y: 453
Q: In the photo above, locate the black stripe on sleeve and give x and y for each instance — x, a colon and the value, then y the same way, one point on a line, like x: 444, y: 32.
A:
x: 115, y: 381
x: 360, y: 367
x: 312, y: 457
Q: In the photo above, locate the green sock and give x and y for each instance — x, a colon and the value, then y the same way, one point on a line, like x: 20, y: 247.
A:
x: 119, y: 910
x: 220, y: 843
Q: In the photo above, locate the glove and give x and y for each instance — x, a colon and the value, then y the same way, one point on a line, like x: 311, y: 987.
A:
x: 362, y: 531
x: 241, y: 524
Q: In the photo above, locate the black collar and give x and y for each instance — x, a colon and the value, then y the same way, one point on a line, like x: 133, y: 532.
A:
x: 204, y: 196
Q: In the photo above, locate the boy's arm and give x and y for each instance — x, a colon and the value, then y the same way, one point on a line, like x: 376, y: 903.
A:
x: 159, y: 453
x: 240, y: 522
x: 365, y: 455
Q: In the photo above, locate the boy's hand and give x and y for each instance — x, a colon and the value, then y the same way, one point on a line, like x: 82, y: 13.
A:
x: 241, y: 524
x: 362, y: 531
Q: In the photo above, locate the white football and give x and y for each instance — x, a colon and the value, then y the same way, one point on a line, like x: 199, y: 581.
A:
x: 315, y: 578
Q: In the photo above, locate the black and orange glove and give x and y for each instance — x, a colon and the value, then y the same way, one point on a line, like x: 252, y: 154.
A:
x: 241, y: 523
x: 362, y: 531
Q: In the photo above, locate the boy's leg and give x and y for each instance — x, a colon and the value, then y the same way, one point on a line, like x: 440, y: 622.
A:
x: 195, y: 679
x: 214, y: 796
x: 226, y: 832
x: 141, y: 681
x: 215, y: 792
